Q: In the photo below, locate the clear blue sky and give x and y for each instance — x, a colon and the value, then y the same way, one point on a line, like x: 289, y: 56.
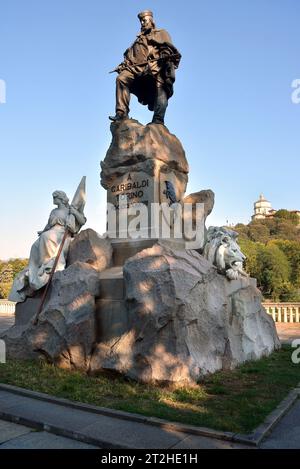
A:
x: 232, y: 106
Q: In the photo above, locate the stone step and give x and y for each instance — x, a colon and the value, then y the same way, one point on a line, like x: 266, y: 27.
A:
x: 112, y: 318
x: 112, y: 284
x: 122, y: 250
x: 112, y: 289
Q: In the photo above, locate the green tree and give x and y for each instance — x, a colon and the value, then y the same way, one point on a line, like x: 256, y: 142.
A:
x: 243, y: 230
x: 18, y: 265
x: 259, y: 232
x: 272, y: 247
x: 250, y: 249
x: 6, y: 280
x: 273, y: 272
x: 285, y: 229
x: 292, y: 251
x: 8, y: 271
x: 287, y: 215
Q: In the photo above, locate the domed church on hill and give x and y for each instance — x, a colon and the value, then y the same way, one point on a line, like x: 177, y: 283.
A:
x: 262, y: 208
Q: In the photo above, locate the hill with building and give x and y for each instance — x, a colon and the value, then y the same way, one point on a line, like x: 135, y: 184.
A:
x: 263, y: 210
x: 271, y: 242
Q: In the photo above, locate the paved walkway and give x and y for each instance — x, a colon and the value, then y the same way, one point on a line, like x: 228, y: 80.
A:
x: 6, y: 320
x: 287, y: 332
x: 286, y: 434
x: 14, y: 436
x: 73, y: 428
x: 43, y: 424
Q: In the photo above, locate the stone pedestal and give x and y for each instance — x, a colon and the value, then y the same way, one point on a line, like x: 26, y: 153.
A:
x: 139, y: 162
x: 112, y: 313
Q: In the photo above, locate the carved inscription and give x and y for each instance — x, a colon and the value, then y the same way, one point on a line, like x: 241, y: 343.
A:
x: 136, y: 190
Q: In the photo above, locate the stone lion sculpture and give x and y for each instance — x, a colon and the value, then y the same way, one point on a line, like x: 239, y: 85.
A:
x: 222, y: 250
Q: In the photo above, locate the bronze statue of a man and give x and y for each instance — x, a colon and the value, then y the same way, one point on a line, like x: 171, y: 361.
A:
x: 148, y: 71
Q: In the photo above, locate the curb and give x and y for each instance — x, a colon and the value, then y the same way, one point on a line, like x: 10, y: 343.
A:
x: 154, y: 421
x: 271, y: 420
x: 252, y: 439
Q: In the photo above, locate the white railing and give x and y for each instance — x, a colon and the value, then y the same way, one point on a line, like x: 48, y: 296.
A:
x: 7, y: 307
x: 280, y: 312
x: 283, y: 312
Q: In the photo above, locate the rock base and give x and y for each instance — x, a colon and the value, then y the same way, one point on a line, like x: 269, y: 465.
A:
x: 167, y: 316
x: 185, y: 320
x: 66, y: 331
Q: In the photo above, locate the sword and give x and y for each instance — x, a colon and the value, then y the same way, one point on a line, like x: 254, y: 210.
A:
x: 171, y: 56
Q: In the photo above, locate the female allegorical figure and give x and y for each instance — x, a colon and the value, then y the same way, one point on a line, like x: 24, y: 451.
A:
x: 45, y: 249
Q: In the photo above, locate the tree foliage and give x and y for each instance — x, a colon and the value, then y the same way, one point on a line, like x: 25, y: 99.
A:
x: 272, y: 247
x: 287, y: 215
x: 8, y: 271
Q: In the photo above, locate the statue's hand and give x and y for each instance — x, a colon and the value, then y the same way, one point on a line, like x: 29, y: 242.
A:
x: 73, y: 210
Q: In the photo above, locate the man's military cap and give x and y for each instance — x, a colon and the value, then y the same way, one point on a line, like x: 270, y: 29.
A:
x: 145, y: 13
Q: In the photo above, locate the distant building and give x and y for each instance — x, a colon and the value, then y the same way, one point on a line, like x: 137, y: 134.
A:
x: 263, y: 209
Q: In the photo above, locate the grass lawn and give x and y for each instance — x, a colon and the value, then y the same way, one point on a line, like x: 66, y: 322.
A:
x: 234, y: 401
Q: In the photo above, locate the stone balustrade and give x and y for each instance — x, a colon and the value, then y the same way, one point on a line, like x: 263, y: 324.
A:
x: 280, y: 312
x: 7, y: 307
x: 283, y: 312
